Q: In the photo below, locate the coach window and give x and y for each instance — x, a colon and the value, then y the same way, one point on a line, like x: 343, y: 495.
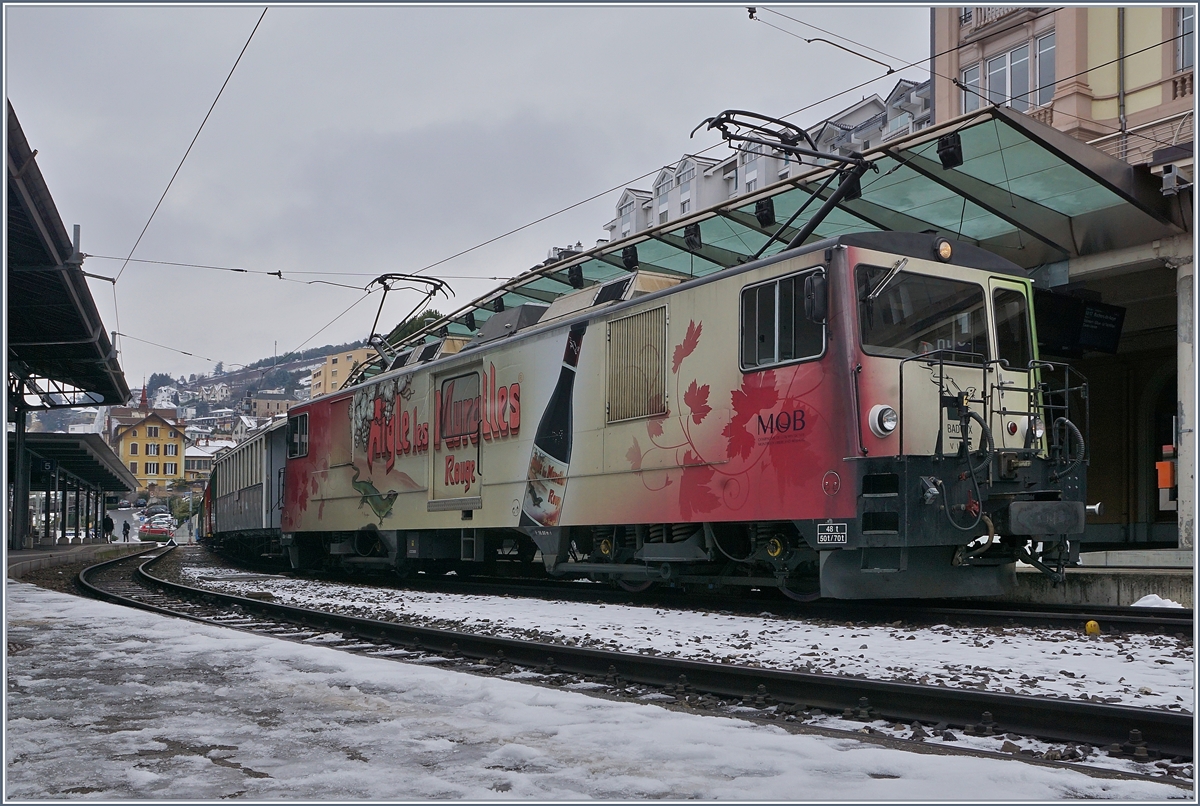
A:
x: 297, y: 436
x: 774, y: 329
x: 902, y: 314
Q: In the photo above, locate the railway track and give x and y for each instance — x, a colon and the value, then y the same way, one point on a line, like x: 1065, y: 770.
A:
x: 1141, y: 734
x: 1160, y: 620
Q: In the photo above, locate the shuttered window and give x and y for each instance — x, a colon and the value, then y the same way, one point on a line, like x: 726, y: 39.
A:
x: 637, y: 366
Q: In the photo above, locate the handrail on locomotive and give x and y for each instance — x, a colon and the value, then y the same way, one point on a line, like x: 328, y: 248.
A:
x: 1040, y: 408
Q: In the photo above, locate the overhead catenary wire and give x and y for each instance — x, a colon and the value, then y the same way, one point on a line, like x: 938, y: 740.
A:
x: 191, y: 144
x: 279, y: 274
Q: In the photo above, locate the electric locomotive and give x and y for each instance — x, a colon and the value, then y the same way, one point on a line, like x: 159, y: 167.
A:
x: 865, y: 416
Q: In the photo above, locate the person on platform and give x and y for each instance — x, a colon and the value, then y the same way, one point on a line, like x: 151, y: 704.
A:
x: 108, y: 528
x: 125, y: 531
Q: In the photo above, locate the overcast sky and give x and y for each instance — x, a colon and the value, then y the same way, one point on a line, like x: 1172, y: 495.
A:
x: 375, y: 139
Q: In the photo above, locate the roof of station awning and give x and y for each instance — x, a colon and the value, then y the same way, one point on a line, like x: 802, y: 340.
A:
x: 55, y: 333
x: 1025, y: 191
x: 84, y: 456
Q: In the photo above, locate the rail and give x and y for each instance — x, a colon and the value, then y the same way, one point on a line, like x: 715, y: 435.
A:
x: 1166, y: 732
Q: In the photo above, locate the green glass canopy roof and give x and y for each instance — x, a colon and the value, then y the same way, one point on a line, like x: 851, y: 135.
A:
x: 1025, y: 191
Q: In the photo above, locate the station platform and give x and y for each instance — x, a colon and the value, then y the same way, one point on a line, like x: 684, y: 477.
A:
x: 1113, y: 578
x: 22, y: 561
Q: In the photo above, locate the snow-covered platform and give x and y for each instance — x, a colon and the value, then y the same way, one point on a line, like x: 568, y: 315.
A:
x: 109, y: 703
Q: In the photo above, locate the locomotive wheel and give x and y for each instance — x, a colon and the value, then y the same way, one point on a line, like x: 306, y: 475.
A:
x: 635, y: 587
x: 801, y: 595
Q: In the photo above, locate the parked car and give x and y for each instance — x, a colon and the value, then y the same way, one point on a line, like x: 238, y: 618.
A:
x: 141, y: 502
x: 122, y: 505
x: 158, y: 533
x: 157, y: 509
x: 163, y: 522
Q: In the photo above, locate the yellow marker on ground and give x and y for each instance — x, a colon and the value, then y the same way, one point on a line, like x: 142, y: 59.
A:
x: 1092, y: 628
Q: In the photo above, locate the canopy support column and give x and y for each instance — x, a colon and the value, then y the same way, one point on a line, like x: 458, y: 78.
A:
x: 1185, y: 419
x: 20, y: 514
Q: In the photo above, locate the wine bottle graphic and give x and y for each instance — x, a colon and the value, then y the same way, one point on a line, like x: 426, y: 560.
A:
x: 547, y: 480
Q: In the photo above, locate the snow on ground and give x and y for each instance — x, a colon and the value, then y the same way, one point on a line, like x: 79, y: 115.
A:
x: 1154, y: 600
x: 110, y: 703
x: 1138, y: 670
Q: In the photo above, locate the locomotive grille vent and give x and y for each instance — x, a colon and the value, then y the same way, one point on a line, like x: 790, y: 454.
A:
x: 637, y: 356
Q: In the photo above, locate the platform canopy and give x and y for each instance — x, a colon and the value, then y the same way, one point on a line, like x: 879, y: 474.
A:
x: 58, y: 350
x: 84, y: 457
x: 1024, y: 190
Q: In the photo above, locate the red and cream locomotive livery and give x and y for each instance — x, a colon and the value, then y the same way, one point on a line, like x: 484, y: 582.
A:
x: 860, y: 417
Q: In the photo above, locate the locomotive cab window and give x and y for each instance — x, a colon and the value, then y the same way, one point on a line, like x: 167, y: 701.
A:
x: 774, y: 328
x: 297, y: 436
x: 902, y: 314
x: 1013, y: 340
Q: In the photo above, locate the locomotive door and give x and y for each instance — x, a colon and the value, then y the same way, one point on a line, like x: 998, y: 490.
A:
x: 1008, y: 398
x: 457, y: 443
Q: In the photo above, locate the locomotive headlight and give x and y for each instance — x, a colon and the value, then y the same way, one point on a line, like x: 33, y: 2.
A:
x: 1037, y: 427
x: 943, y: 249
x: 884, y: 420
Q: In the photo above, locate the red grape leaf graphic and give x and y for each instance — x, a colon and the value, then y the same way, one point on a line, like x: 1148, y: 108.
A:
x: 756, y: 395
x: 634, y: 455
x: 683, y: 350
x: 654, y: 426
x: 694, y: 493
x: 696, y: 399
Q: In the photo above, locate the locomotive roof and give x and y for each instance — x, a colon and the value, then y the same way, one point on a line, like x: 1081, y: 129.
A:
x: 1026, y: 195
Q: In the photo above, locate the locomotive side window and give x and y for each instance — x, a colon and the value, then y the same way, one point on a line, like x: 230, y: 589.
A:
x: 1013, y: 342
x: 297, y: 436
x: 774, y: 327
x: 913, y: 314
x: 460, y: 415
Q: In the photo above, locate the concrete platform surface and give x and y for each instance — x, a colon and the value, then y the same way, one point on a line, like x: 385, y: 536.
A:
x: 22, y: 561
x: 1118, y: 587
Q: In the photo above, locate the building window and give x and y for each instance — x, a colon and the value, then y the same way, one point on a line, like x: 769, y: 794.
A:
x: 133, y: 449
x: 1045, y: 69
x: 333, y: 360
x: 172, y: 434
x: 172, y: 449
x: 625, y: 211
x: 663, y: 187
x: 133, y: 467
x: 663, y: 215
x: 133, y: 433
x: 751, y: 185
x: 685, y: 206
x: 1187, y: 37
x: 152, y: 430
x: 1022, y: 78
x: 170, y: 469
x: 151, y: 468
x: 152, y: 449
x: 971, y: 88
x: 350, y: 358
